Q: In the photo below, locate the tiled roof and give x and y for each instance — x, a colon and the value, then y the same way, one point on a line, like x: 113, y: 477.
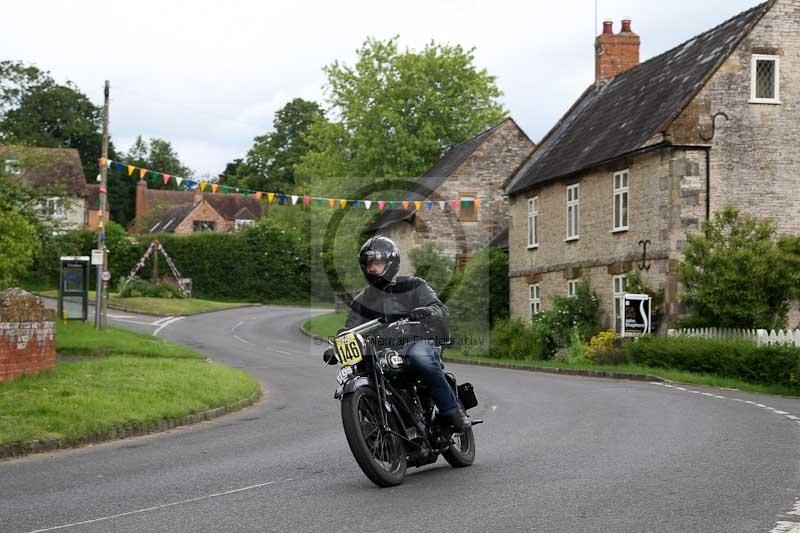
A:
x: 227, y: 205
x: 624, y: 114
x: 48, y: 167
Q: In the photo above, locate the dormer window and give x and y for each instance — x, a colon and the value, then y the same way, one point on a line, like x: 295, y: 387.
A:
x: 11, y: 167
x: 765, y: 79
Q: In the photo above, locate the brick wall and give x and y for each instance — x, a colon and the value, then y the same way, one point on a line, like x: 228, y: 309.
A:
x: 483, y: 174
x: 204, y: 212
x: 27, y: 335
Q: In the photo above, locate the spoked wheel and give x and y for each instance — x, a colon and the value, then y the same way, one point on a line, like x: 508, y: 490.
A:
x: 380, y: 454
x: 462, y: 452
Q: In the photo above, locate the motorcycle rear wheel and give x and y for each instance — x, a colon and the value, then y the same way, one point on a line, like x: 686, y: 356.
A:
x: 462, y: 452
x: 381, y: 455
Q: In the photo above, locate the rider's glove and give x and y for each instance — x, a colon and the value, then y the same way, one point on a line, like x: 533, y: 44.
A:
x: 419, y: 313
x: 329, y: 356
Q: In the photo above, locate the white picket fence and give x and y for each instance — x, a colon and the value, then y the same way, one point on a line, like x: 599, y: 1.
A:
x: 758, y: 336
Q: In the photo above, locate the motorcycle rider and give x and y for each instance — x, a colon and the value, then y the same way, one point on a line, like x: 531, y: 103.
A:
x: 392, y: 297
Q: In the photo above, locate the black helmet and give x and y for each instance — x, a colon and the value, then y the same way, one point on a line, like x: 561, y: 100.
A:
x: 380, y: 248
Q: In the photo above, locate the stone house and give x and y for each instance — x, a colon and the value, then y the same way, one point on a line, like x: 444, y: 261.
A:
x: 67, y: 201
x: 473, y: 170
x: 650, y: 150
x: 192, y: 211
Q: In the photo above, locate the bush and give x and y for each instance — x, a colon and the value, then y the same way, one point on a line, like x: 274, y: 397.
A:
x: 140, y: 287
x: 516, y: 339
x: 575, y: 352
x: 481, y: 292
x: 605, y: 348
x: 771, y: 365
x: 581, y: 312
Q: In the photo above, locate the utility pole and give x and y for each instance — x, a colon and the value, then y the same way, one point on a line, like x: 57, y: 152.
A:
x: 100, y: 319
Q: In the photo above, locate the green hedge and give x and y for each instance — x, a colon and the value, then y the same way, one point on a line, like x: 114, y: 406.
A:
x: 771, y: 365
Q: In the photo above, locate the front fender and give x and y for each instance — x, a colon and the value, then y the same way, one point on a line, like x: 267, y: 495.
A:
x: 350, y: 386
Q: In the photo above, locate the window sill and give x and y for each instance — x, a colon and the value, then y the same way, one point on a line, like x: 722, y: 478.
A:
x: 765, y: 101
x: 572, y: 239
x: 619, y: 230
x: 533, y: 247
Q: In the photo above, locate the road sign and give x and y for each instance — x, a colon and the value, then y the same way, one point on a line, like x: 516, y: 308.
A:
x: 105, y: 276
x: 97, y: 257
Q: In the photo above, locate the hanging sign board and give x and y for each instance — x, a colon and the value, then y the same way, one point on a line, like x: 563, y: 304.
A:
x: 637, y: 318
x: 97, y: 257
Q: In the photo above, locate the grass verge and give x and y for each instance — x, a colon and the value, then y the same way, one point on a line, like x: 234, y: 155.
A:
x: 140, y: 381
x: 325, y: 325
x: 678, y: 376
x: 160, y: 306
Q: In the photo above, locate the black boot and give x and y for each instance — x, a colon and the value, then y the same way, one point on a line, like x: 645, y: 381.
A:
x: 459, y: 420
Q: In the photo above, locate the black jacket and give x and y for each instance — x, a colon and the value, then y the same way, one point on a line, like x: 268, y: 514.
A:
x: 396, y: 301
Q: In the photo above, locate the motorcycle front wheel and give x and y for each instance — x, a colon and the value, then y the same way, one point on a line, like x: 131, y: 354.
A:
x: 462, y: 452
x: 380, y: 454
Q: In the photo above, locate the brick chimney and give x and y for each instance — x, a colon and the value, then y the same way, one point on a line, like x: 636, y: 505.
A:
x: 615, y: 53
x: 141, y: 198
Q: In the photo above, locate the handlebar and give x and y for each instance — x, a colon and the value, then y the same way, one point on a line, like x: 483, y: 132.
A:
x: 377, y: 323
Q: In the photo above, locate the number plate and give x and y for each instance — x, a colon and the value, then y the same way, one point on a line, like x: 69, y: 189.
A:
x: 348, y: 350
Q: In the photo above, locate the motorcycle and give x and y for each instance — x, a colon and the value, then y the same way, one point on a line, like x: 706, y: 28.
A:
x: 389, y: 418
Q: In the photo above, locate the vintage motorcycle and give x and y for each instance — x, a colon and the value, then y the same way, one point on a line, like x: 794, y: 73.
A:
x: 389, y: 418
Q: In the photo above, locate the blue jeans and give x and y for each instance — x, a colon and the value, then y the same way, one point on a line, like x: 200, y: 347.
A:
x: 423, y: 357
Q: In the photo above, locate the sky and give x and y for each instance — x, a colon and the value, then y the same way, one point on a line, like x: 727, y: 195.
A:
x: 209, y: 76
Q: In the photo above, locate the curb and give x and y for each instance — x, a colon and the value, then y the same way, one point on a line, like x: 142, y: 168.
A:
x: 564, y: 371
x: 9, y: 451
x: 544, y: 369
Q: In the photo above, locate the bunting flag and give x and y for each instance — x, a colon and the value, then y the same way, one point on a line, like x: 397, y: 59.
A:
x: 283, y: 199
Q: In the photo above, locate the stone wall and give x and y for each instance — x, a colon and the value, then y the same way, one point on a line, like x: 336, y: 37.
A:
x: 755, y: 163
x: 482, y: 174
x: 27, y: 335
x: 666, y: 199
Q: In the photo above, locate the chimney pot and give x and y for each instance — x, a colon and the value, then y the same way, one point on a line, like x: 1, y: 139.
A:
x: 626, y: 26
x: 608, y: 27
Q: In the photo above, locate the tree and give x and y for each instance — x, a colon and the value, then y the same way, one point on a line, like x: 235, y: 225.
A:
x: 156, y: 154
x: 19, y: 240
x: 270, y: 163
x: 398, y: 111
x: 37, y: 111
x: 736, y: 275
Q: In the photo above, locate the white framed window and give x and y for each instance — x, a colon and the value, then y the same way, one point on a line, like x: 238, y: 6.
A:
x: 621, y: 190
x: 243, y: 223
x: 765, y: 79
x: 620, y: 286
x: 54, y: 208
x: 536, y: 299
x: 11, y: 167
x: 573, y: 212
x: 533, y: 222
x: 572, y: 287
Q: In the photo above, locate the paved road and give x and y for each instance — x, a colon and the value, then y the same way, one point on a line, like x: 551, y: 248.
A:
x: 557, y: 453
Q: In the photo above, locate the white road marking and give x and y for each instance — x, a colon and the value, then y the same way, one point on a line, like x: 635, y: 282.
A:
x: 781, y: 526
x: 238, y: 338
x: 165, y: 324
x: 494, y: 408
x: 236, y: 326
x: 155, y: 508
x: 132, y: 321
x: 119, y: 316
x: 161, y: 320
x: 786, y: 527
x: 283, y: 352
